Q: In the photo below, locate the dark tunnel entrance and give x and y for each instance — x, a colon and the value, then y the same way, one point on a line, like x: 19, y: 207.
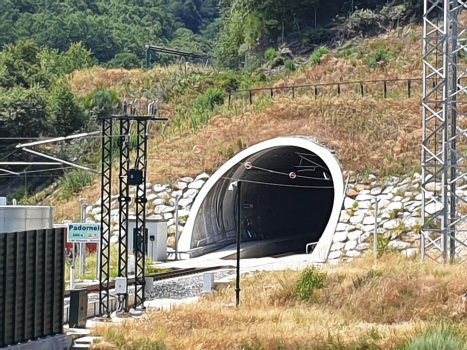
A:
x: 281, y: 212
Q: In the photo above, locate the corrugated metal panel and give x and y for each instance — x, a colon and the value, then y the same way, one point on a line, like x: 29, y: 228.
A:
x: 31, y: 285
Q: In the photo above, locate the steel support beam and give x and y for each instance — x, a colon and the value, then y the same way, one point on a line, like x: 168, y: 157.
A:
x: 444, y: 165
x: 106, y: 207
x: 141, y: 200
x: 124, y: 201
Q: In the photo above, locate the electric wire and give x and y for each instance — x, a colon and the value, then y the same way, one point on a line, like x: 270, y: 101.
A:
x: 43, y: 170
x: 302, y: 157
x: 276, y: 184
x: 19, y: 138
x: 287, y: 174
x: 9, y: 154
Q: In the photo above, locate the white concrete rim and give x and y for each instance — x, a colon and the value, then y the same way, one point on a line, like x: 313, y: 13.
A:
x: 322, y: 249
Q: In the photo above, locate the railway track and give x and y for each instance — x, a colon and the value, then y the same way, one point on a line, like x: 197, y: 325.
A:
x: 156, y: 277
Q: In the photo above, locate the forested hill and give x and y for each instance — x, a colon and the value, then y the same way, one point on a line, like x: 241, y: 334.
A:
x: 235, y: 32
x: 112, y: 29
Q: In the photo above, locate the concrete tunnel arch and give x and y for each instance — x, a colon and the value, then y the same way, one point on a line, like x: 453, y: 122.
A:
x: 276, y: 207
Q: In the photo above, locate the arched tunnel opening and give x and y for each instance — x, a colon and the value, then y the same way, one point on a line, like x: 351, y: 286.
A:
x: 288, y: 198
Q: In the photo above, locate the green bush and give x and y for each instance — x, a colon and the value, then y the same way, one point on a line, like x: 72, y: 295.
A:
x: 102, y: 102
x: 74, y: 181
x: 318, y: 54
x: 270, y: 54
x: 212, y: 98
x: 381, y: 53
x: 440, y: 340
x: 289, y: 66
x: 310, y: 280
x: 229, y: 81
x: 198, y: 115
x: 347, y: 54
x: 273, y: 57
x: 20, y: 194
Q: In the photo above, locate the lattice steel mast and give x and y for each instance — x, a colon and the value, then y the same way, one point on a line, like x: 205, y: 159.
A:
x: 125, y: 120
x: 124, y: 201
x: 140, y: 233
x: 443, y: 161
x: 106, y: 207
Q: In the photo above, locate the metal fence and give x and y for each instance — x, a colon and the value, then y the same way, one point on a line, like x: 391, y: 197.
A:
x: 32, y: 281
x: 377, y: 88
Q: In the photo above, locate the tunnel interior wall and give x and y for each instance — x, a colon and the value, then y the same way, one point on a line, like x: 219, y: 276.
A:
x: 275, y: 206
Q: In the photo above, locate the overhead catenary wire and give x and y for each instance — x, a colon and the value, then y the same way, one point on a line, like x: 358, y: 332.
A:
x: 275, y: 184
x: 56, y: 139
x: 286, y: 174
x: 59, y: 160
x: 19, y: 138
x: 42, y: 170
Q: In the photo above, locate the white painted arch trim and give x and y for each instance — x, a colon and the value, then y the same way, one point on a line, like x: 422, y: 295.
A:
x: 307, y: 143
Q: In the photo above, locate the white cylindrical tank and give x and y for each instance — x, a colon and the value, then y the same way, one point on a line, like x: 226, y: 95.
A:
x: 16, y: 218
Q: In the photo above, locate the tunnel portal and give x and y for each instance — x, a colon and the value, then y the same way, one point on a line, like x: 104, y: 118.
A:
x: 291, y: 195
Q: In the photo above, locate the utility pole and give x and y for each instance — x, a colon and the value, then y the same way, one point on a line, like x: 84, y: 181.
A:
x: 177, y: 198
x: 239, y: 239
x: 238, y: 185
x: 82, y: 246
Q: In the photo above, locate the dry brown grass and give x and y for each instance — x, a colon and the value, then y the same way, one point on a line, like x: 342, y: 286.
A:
x: 369, y: 134
x: 381, y: 136
x: 128, y: 83
x: 363, y: 303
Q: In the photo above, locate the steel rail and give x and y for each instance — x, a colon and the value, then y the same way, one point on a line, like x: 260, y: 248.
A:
x: 157, y: 277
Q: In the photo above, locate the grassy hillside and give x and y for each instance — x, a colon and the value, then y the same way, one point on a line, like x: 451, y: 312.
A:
x: 370, y: 134
x: 392, y: 303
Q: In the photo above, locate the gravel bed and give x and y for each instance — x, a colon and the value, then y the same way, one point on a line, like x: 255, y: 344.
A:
x: 176, y: 288
x: 182, y: 287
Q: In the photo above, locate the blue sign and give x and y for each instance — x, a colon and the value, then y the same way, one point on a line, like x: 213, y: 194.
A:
x: 84, y: 233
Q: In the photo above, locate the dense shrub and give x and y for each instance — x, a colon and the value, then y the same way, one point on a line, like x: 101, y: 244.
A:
x: 310, y: 280
x: 289, y: 66
x: 74, y: 181
x: 212, y: 98
x: 318, y: 54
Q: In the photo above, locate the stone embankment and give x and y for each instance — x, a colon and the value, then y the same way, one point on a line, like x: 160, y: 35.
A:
x: 161, y: 204
x: 398, y: 218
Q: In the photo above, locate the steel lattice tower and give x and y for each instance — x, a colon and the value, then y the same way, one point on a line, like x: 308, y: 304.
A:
x: 139, y: 236
x: 444, y: 147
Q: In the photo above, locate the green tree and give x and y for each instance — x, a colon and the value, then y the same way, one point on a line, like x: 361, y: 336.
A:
x: 23, y: 112
x: 106, y: 28
x: 66, y: 113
